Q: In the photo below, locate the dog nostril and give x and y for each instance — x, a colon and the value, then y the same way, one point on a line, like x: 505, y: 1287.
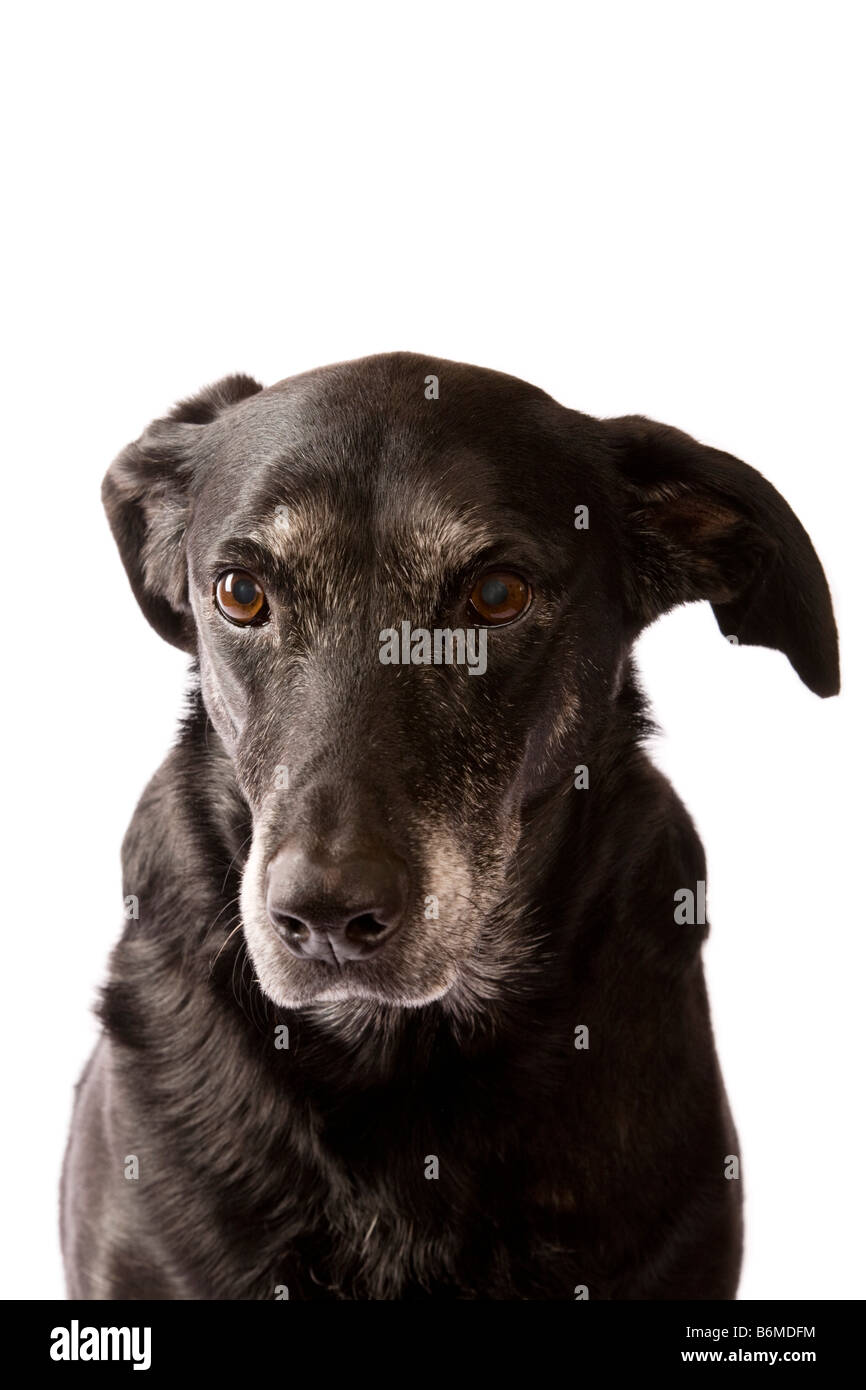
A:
x: 291, y: 928
x: 364, y: 929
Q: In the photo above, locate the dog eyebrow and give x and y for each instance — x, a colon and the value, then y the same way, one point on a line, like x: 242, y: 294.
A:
x: 457, y: 548
x: 300, y: 529
x: 465, y: 545
x: 244, y: 552
x: 295, y: 523
x: 432, y: 533
x: 462, y: 536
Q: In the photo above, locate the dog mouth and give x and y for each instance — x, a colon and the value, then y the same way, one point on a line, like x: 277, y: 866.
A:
x: 317, y: 983
x: 291, y: 981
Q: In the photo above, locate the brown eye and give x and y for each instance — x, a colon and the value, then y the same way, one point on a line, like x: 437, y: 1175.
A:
x: 499, y: 597
x: 240, y: 598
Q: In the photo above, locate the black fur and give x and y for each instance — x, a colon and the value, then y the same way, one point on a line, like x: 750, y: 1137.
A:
x: 267, y: 1170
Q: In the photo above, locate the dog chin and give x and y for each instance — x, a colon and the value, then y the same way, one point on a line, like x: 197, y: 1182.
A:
x: 348, y: 991
x: 339, y: 987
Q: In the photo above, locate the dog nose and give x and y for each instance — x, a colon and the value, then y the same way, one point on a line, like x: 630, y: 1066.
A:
x: 337, y: 909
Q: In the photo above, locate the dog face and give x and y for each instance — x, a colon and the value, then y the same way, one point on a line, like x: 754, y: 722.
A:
x: 411, y: 587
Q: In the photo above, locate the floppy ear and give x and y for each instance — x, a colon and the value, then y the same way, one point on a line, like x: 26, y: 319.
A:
x: 145, y: 493
x: 703, y: 525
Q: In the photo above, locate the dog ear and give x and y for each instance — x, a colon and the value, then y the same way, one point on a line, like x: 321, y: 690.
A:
x: 703, y: 525
x: 146, y: 496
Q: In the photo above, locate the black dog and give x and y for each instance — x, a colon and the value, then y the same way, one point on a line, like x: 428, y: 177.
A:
x: 412, y: 1006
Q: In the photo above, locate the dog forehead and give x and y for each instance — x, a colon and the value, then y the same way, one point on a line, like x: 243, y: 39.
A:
x: 293, y: 492
x: 366, y: 454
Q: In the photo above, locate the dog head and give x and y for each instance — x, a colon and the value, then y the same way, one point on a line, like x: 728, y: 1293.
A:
x: 411, y: 587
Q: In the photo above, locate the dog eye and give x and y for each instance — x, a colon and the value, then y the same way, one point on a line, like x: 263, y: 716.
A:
x: 240, y: 597
x: 499, y: 597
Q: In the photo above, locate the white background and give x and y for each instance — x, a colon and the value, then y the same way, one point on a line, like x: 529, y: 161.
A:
x: 648, y: 207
